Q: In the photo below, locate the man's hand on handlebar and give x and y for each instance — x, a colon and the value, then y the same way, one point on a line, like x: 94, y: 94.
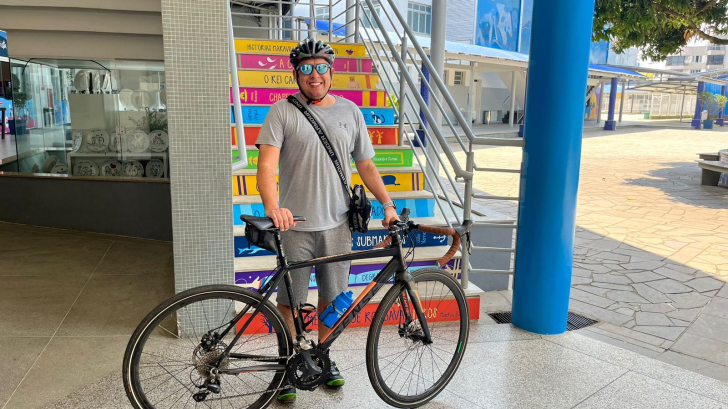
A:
x: 390, y: 217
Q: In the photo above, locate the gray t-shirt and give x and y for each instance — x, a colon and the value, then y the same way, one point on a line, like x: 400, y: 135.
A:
x: 308, y: 182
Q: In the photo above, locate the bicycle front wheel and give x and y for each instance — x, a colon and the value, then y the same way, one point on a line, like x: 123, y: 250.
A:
x: 404, y: 370
x: 173, y: 358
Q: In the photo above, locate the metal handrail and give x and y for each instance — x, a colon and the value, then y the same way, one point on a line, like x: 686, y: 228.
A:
x: 459, y: 171
x: 427, y: 132
x: 429, y: 160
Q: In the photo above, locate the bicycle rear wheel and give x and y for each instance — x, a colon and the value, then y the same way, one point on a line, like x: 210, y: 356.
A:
x: 169, y: 362
x: 404, y: 371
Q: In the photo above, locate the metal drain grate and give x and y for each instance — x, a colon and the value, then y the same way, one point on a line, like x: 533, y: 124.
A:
x: 573, y: 321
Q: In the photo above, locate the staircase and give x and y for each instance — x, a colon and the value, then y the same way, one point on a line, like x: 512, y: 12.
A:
x: 265, y: 77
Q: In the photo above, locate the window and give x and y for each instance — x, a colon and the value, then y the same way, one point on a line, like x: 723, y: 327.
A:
x: 716, y: 47
x: 695, y: 71
x: 716, y: 59
x: 459, y: 77
x: 445, y: 77
x: 675, y: 60
x: 367, y: 20
x: 322, y: 13
x: 697, y: 58
x: 419, y: 17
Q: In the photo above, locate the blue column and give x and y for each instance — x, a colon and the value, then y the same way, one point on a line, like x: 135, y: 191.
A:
x: 697, y: 121
x: 557, y: 69
x: 721, y: 114
x: 421, y: 138
x: 611, y: 124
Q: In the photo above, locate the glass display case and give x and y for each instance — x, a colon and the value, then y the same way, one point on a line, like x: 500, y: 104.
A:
x: 90, y: 118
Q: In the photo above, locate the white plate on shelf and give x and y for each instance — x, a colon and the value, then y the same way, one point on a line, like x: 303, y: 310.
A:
x: 137, y: 141
x: 125, y: 98
x: 85, y: 168
x: 133, y: 169
x: 49, y: 163
x: 115, y: 142
x: 77, y: 140
x: 60, y: 169
x: 97, y: 140
x: 141, y: 100
x: 158, y: 141
x: 82, y: 81
x: 155, y: 168
x: 111, y: 167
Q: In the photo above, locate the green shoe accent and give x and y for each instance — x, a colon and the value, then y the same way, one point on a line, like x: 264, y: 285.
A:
x: 334, y: 379
x: 287, y: 394
x: 287, y: 398
x: 336, y: 383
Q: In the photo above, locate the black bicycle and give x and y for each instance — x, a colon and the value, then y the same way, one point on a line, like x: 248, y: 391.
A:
x: 229, y: 347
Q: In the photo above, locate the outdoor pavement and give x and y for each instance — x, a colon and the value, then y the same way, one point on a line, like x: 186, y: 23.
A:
x: 651, y: 246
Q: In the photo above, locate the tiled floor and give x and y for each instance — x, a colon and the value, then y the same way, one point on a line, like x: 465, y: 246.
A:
x: 67, y: 316
x: 651, y: 248
x: 68, y: 304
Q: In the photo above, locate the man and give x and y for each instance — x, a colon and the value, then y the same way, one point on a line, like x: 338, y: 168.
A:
x: 310, y: 185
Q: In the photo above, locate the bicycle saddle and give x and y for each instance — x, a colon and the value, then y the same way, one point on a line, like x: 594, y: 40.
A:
x: 265, y: 223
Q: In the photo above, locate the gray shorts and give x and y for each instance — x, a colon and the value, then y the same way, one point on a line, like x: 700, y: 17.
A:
x: 333, y: 278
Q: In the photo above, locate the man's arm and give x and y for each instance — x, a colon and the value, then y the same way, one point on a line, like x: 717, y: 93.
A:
x: 370, y: 175
x: 267, y: 164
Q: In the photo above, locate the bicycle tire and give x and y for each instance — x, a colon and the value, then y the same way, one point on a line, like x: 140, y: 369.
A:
x: 433, y: 307
x: 167, y: 314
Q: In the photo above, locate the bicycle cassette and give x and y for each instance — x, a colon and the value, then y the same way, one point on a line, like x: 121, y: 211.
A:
x: 308, y: 370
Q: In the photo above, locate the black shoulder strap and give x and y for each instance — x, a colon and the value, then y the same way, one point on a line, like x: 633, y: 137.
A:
x: 324, y: 140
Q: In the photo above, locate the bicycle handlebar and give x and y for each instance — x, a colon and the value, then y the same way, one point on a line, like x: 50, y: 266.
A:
x: 449, y: 231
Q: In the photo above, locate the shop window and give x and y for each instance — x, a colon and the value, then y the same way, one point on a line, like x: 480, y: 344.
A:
x: 88, y: 118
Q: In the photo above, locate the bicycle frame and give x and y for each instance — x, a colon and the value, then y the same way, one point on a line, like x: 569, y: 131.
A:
x: 396, y: 267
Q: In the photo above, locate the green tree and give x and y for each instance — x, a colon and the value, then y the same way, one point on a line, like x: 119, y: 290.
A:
x: 660, y: 27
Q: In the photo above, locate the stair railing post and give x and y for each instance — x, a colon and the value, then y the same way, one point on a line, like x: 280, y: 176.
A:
x: 351, y: 6
x: 311, y: 20
x: 402, y: 90
x: 356, y: 21
x: 467, y: 203
x: 242, y: 162
x: 331, y: 21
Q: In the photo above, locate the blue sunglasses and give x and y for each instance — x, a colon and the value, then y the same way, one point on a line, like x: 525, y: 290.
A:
x: 307, y: 69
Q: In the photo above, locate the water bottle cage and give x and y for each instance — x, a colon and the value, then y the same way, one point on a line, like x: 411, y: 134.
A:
x: 308, y: 315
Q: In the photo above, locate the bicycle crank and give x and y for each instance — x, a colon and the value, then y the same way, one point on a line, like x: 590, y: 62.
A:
x: 308, y: 370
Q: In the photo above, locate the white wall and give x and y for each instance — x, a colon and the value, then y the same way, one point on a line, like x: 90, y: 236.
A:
x: 83, y: 29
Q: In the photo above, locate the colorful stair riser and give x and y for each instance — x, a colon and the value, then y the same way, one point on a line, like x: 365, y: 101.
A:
x: 284, y: 79
x: 269, y: 96
x: 359, y: 241
x: 244, y: 185
x: 439, y: 311
x: 255, y: 115
x: 360, y: 274
x: 273, y: 62
x: 423, y: 207
x: 256, y: 46
x: 378, y: 136
x: 383, y: 158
